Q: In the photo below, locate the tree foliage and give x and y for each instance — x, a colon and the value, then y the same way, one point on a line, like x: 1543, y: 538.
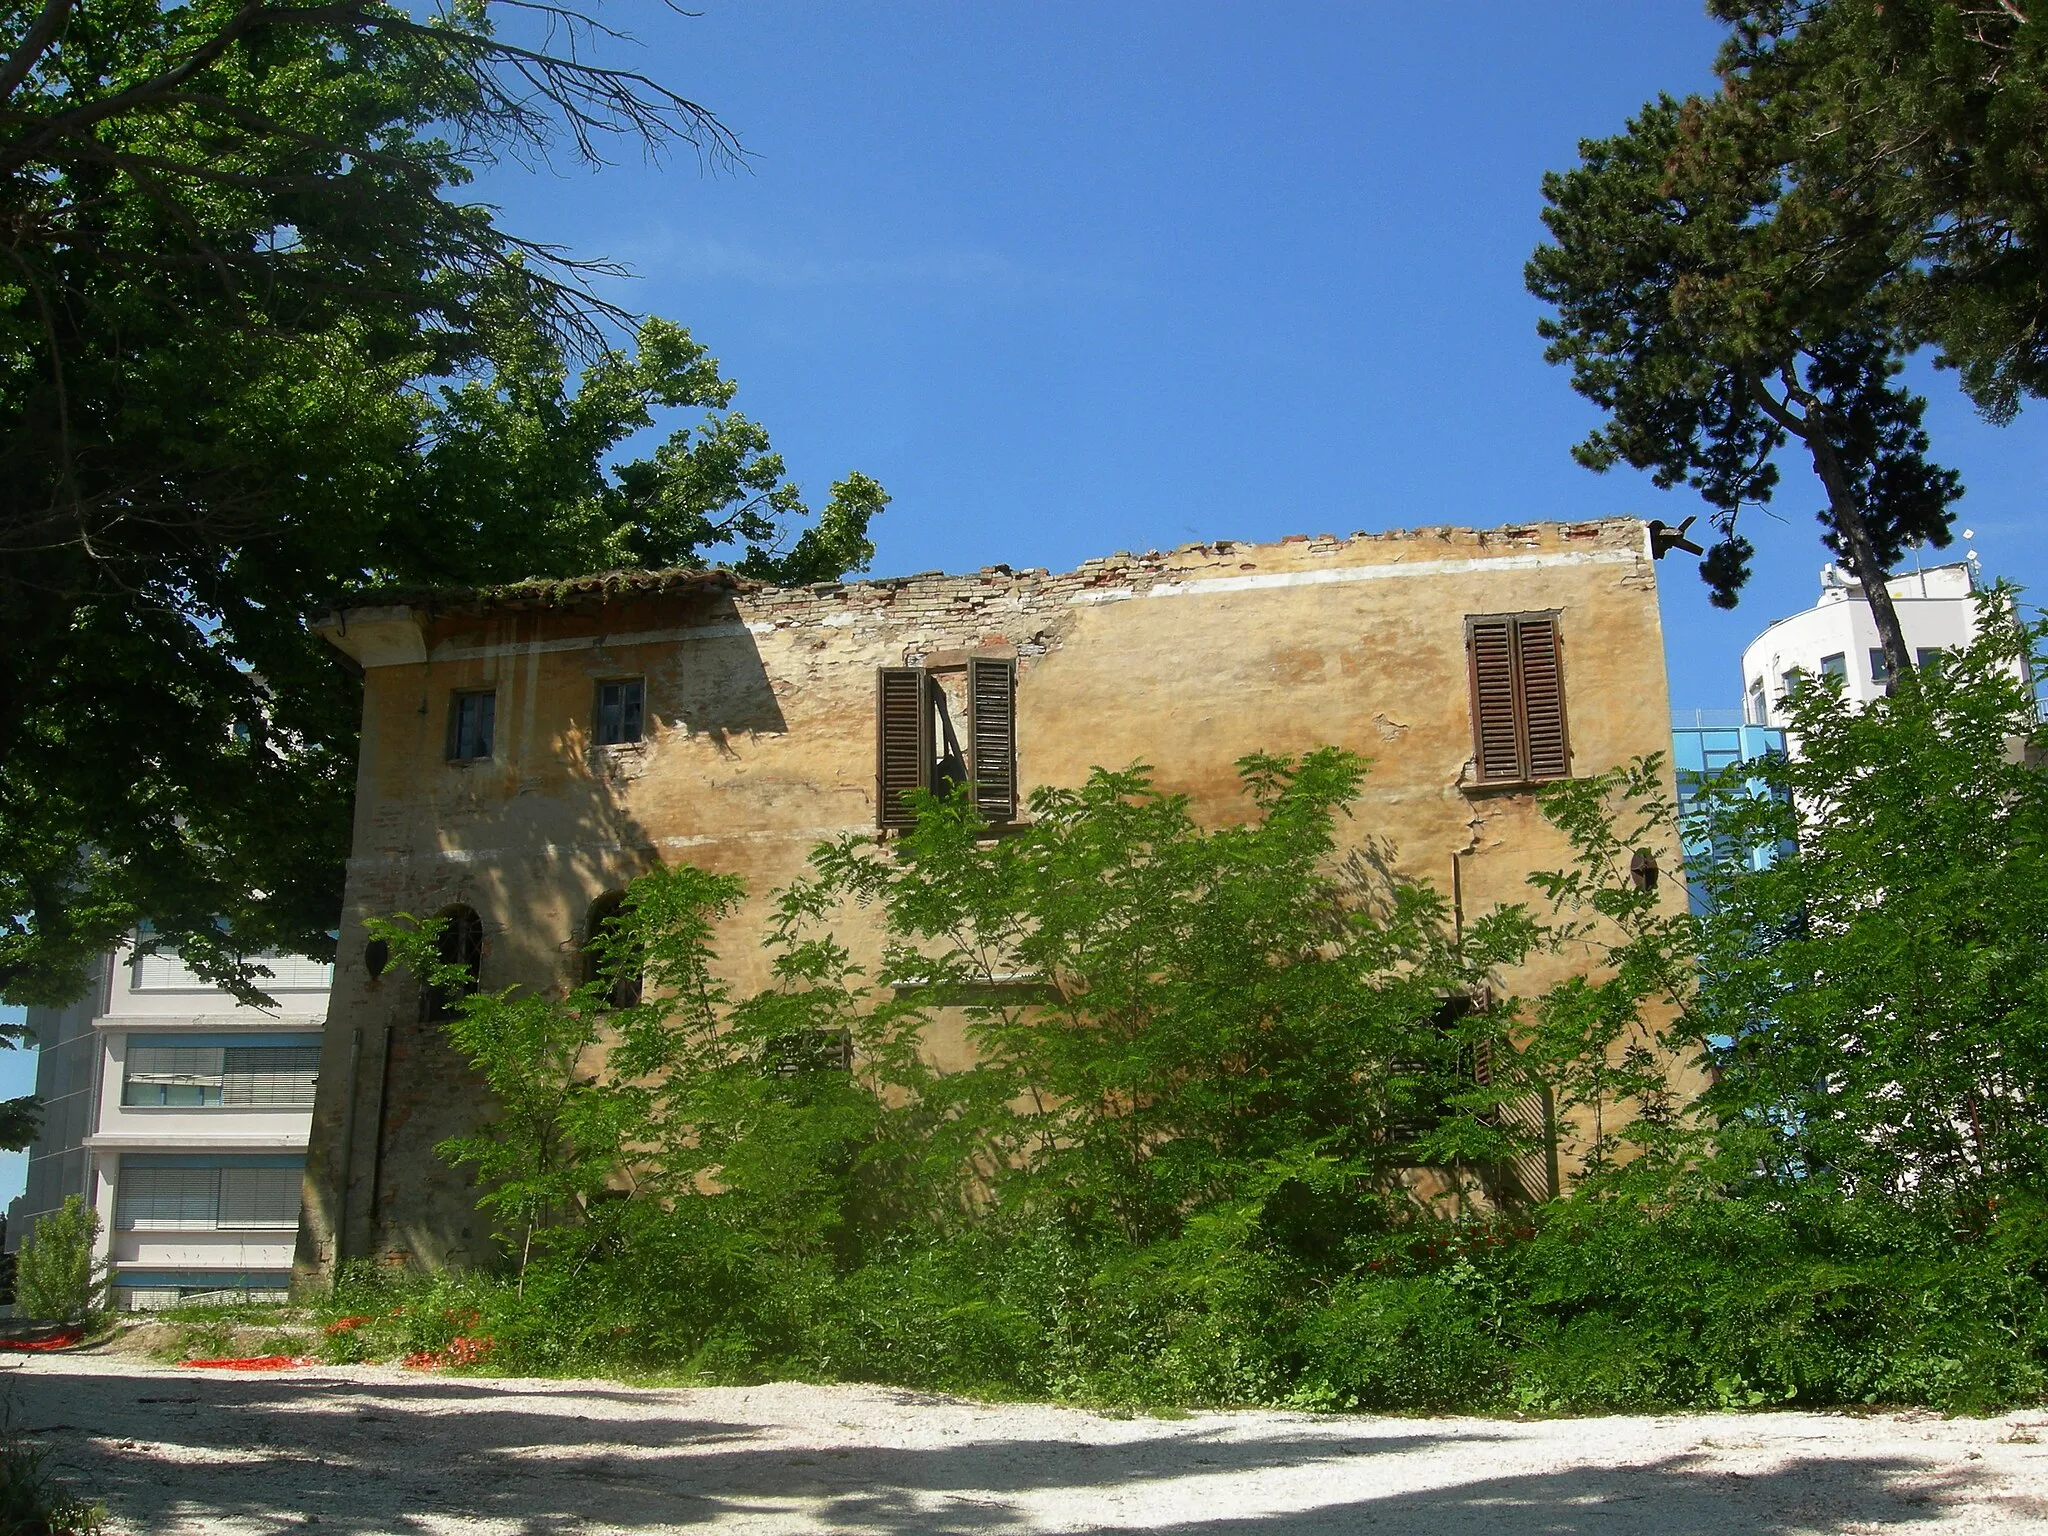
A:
x: 1876, y: 998
x: 58, y: 1278
x: 1686, y: 311
x: 257, y: 352
x: 1915, y: 132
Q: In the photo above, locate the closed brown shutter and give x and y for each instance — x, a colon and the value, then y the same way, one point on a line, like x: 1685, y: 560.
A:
x: 1542, y: 678
x: 1491, y: 642
x: 992, y: 736
x: 1518, y: 724
x: 903, y: 743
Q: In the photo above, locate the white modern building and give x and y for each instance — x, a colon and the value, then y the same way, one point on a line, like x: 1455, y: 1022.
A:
x: 181, y: 1116
x: 1837, y: 637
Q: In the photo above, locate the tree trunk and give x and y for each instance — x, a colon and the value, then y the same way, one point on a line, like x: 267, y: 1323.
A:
x: 1847, y: 514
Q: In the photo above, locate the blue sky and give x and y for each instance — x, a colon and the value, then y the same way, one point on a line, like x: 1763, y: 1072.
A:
x: 1077, y: 278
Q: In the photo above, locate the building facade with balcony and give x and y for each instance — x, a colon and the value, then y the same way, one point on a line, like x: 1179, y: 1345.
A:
x: 181, y: 1117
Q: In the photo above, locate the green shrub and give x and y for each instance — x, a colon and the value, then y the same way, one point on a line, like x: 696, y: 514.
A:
x: 56, y: 1276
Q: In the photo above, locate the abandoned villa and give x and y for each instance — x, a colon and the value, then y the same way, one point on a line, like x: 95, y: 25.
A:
x: 528, y: 751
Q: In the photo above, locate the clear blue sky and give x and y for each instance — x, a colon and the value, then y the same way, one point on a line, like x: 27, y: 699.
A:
x: 1075, y: 278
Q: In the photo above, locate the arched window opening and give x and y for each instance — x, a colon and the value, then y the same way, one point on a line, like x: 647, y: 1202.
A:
x: 376, y: 957
x: 600, y: 935
x: 461, y: 943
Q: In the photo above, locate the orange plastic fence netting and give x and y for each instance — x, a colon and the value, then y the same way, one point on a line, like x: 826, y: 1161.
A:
x: 252, y: 1363
x: 460, y: 1351
x: 63, y: 1340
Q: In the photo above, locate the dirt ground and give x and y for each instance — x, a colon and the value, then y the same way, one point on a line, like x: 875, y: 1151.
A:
x: 378, y: 1449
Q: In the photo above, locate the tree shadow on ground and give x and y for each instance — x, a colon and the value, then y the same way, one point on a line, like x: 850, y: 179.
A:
x: 362, y: 1456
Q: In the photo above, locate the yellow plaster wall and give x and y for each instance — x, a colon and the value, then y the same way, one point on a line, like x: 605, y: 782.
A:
x: 760, y: 743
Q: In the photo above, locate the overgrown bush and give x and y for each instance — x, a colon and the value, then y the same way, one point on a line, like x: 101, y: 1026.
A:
x: 1239, y: 1112
x: 57, y: 1279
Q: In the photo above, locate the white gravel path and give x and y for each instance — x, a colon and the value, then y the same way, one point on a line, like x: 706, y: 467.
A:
x: 376, y: 1449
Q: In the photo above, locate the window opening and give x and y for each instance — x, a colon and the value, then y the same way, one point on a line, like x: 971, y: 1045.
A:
x: 1880, y: 671
x: 181, y: 1195
x: 461, y: 943
x: 1759, y: 711
x: 1836, y: 665
x: 600, y: 933
x: 620, y: 707
x: 1517, y: 675
x: 918, y: 745
x: 472, y: 725
x: 188, y: 1074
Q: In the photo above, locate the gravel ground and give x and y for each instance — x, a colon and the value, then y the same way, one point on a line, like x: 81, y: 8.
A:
x: 377, y: 1449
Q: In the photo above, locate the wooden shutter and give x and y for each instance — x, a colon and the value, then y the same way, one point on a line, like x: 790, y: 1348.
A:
x: 1518, y: 723
x: 1541, y: 671
x: 992, y: 736
x: 1491, y: 644
x: 903, y: 743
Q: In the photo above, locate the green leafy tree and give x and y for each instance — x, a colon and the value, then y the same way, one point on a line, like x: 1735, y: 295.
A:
x: 1916, y: 148
x: 57, y: 1277
x: 257, y: 353
x: 1687, y: 308
x: 1874, y: 998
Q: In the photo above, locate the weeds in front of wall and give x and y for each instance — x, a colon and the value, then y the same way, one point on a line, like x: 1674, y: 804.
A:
x: 211, y: 1332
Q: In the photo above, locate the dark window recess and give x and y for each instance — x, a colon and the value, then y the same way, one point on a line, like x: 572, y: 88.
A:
x: 1880, y: 673
x: 376, y: 956
x: 1518, y: 725
x: 918, y: 746
x: 807, y: 1050
x: 600, y: 933
x: 1420, y: 1087
x: 472, y: 723
x: 619, y: 710
x: 1836, y: 665
x: 1929, y: 657
x: 461, y: 943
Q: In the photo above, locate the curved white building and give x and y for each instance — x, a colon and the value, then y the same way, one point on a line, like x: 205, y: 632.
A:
x: 1836, y: 637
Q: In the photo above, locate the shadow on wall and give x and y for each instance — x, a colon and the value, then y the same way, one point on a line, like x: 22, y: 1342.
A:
x: 412, y: 1090
x: 373, y: 1456
x: 722, y: 688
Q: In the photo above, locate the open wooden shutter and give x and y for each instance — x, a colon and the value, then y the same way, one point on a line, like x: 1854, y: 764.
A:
x: 1541, y: 669
x: 992, y: 736
x: 903, y: 743
x: 1497, y: 741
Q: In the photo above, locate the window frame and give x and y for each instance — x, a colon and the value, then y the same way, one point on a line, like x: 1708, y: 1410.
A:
x: 1525, y: 769
x: 987, y: 739
x: 638, y: 682
x: 456, y: 699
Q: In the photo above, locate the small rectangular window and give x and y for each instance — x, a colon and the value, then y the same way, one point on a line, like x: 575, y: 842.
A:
x: 1759, y: 713
x: 1517, y: 677
x: 619, y: 709
x: 472, y: 722
x: 170, y: 1194
x: 1880, y: 674
x: 1836, y: 665
x: 1929, y: 657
